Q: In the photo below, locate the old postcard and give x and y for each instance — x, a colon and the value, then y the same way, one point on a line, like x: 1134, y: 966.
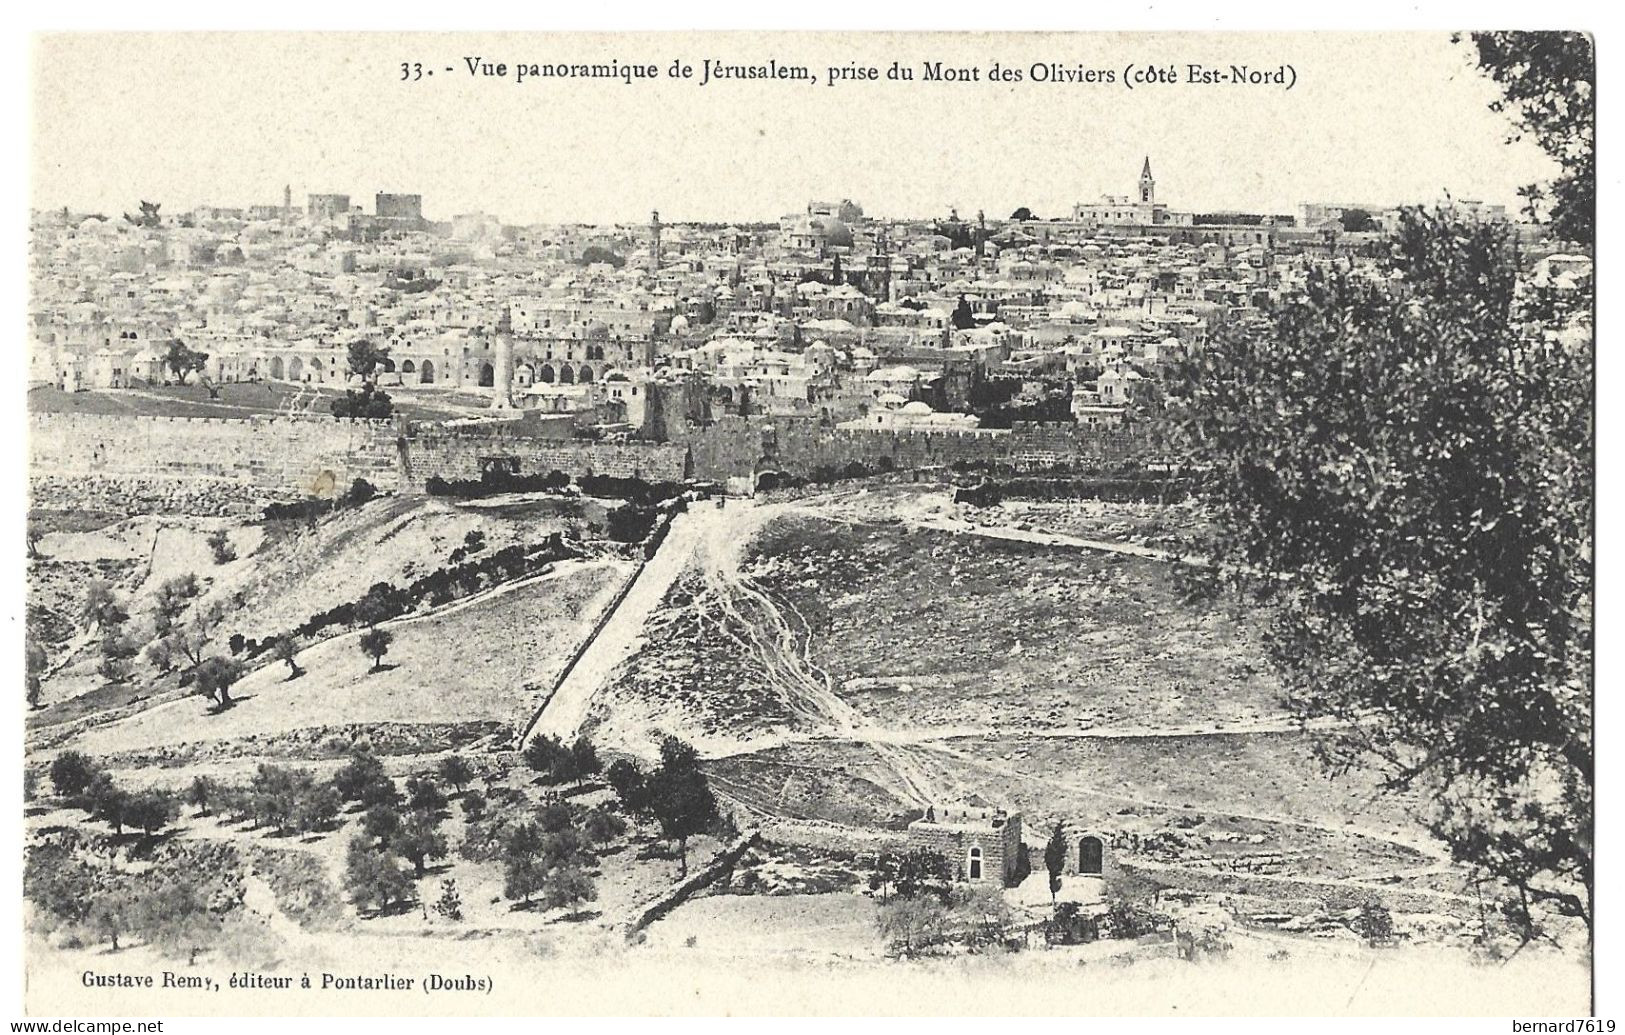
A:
x: 809, y: 523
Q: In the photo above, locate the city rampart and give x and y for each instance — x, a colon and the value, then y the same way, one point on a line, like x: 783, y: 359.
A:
x: 213, y: 465
x: 202, y: 464
x: 735, y: 447
x: 463, y: 455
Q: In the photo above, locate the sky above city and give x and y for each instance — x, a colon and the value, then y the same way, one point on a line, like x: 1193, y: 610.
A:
x: 192, y: 119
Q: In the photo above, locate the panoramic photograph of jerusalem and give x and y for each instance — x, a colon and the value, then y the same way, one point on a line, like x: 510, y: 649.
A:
x: 959, y: 531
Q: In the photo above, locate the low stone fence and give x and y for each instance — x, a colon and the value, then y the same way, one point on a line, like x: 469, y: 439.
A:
x: 681, y: 892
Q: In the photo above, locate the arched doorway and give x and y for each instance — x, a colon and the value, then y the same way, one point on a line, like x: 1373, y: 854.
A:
x: 546, y: 375
x: 316, y: 370
x: 488, y: 375
x: 1091, y: 857
x: 408, y: 367
x: 585, y: 377
x: 567, y: 375
x: 973, y: 864
x: 767, y: 481
x: 276, y: 368
x: 295, y: 368
x: 426, y: 374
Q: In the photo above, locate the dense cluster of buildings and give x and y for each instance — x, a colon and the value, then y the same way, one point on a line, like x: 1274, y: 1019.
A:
x: 828, y: 314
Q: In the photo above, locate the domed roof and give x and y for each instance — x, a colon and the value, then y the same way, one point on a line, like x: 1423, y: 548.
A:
x: 917, y: 408
x: 679, y: 324
x: 833, y: 231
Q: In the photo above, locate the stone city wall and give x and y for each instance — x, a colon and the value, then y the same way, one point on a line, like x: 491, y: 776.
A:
x: 462, y: 456
x: 202, y: 464
x: 742, y: 446
x: 212, y: 465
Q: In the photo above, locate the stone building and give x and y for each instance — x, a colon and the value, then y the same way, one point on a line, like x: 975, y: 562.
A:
x: 980, y: 844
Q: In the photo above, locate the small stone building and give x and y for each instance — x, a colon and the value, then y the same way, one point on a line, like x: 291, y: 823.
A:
x: 980, y: 844
x: 1086, y: 854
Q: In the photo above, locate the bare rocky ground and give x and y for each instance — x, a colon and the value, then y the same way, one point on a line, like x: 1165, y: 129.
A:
x: 840, y: 659
x: 982, y: 655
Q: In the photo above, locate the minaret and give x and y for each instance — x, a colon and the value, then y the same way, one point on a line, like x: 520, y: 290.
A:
x: 654, y: 242
x: 981, y: 232
x: 1148, y: 184
x: 287, y: 203
x: 502, y: 367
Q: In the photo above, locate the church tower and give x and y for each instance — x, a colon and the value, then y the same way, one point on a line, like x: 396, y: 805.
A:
x: 1148, y: 184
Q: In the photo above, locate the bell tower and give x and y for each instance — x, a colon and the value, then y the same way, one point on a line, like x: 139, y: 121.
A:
x: 1148, y: 184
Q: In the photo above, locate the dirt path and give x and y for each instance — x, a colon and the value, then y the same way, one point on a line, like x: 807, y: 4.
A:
x: 1432, y: 851
x: 926, y: 736
x: 780, y: 637
x: 622, y: 634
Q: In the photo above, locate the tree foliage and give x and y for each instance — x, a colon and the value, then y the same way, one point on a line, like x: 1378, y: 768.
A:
x: 1400, y: 467
x: 214, y: 676
x: 34, y: 662
x: 366, y: 359
x: 72, y: 773
x: 374, y: 877
x: 286, y: 649
x: 374, y: 643
x: 1548, y: 86
x: 679, y: 795
x: 363, y: 779
x: 419, y: 839
x: 370, y: 403
x: 1055, y: 854
x: 455, y: 770
x: 182, y: 361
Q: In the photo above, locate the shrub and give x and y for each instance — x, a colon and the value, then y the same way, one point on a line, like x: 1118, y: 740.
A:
x: 450, y: 903
x: 423, y: 795
x: 911, y: 925
x: 1131, y: 918
x: 300, y: 884
x: 554, y: 816
x: 454, y: 769
x: 567, y: 887
x: 602, y: 826
x: 1375, y: 924
x: 1201, y: 942
x: 1069, y: 926
x: 220, y: 546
